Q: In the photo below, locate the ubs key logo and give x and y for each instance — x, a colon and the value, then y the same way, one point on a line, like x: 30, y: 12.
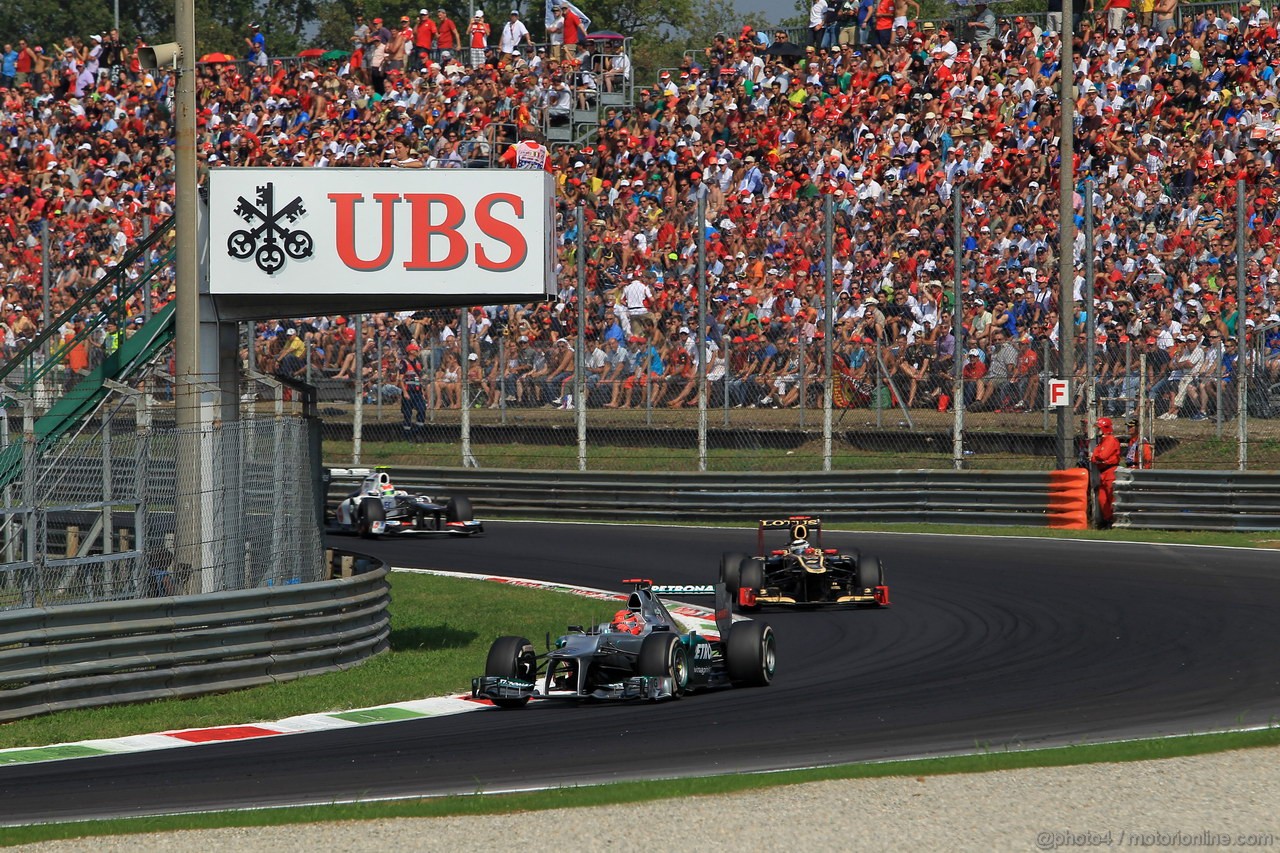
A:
x: 269, y: 241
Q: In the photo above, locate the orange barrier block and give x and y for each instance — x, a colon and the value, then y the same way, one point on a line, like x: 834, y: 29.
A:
x: 1068, y: 507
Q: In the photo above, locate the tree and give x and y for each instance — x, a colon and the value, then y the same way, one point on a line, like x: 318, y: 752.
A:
x: 710, y: 17
x: 43, y: 23
x: 636, y: 17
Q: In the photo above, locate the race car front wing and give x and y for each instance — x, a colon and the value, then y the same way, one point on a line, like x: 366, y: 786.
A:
x: 748, y: 597
x: 647, y: 687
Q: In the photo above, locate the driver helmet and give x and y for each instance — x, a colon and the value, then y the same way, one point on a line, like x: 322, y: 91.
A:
x: 628, y: 620
x: 799, y: 546
x: 1104, y: 426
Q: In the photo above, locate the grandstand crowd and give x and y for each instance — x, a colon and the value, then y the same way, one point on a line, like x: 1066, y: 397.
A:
x: 1168, y: 121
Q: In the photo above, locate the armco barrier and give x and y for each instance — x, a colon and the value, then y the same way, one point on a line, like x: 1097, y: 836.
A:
x: 978, y: 497
x: 81, y: 656
x: 1198, y: 500
x: 1175, y: 500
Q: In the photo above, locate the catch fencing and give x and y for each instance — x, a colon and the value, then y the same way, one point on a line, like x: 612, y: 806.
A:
x: 93, y: 517
x: 87, y: 655
x: 515, y: 406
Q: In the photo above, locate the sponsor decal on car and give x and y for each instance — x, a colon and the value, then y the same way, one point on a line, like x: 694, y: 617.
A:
x: 685, y: 589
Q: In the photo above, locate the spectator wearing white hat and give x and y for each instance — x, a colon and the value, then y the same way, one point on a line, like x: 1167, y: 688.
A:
x: 513, y: 33
x: 478, y: 38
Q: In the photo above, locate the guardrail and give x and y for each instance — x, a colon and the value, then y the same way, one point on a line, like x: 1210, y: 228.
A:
x: 978, y: 497
x: 1198, y: 500
x: 82, y: 656
x: 1171, y: 500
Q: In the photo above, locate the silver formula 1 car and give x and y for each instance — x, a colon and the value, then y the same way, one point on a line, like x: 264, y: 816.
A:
x: 642, y: 653
x: 377, y: 507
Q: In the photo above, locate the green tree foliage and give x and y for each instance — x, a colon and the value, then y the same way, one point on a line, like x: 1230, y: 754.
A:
x: 47, y: 23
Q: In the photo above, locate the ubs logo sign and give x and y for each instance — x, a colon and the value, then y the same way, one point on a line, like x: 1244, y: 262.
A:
x: 271, y: 239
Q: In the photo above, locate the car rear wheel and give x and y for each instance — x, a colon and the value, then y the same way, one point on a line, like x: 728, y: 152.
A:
x: 750, y: 576
x: 368, y: 512
x: 870, y: 573
x: 514, y: 658
x: 664, y: 656
x: 458, y: 509
x: 752, y: 654
x: 731, y: 571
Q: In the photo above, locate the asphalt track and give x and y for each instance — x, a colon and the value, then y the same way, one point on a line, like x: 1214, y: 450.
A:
x: 991, y: 643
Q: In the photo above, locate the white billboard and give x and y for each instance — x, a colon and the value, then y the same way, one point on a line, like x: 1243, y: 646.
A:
x: 415, y: 232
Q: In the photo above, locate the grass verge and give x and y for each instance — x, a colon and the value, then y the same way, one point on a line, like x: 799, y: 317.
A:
x: 635, y: 792
x: 441, y: 631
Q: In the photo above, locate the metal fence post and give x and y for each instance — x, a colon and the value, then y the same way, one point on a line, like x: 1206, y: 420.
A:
x: 726, y: 341
x: 580, y: 356
x: 1066, y: 257
x: 828, y: 325
x: 142, y: 477
x: 1091, y: 319
x: 108, y: 570
x: 502, y: 377
x: 10, y: 540
x: 1045, y: 375
x: 464, y: 334
x: 802, y: 362
x: 278, y: 487
x: 960, y: 347
x: 700, y: 336
x: 36, y: 527
x: 146, y: 268
x: 1244, y: 365
x: 357, y: 425
x: 876, y: 400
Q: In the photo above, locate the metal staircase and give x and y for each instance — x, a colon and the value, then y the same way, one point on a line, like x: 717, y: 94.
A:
x: 581, y: 125
x: 115, y: 291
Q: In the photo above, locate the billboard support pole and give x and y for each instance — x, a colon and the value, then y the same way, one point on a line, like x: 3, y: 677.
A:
x: 580, y: 357
x: 188, y: 396
x: 464, y: 408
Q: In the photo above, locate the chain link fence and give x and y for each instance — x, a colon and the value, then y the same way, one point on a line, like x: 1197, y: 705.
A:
x: 93, y: 517
x: 514, y: 405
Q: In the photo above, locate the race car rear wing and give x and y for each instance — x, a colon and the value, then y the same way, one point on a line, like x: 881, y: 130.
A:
x: 355, y: 472
x: 797, y: 526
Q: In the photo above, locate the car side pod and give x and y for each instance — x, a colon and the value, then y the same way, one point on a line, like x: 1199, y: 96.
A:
x: 881, y: 594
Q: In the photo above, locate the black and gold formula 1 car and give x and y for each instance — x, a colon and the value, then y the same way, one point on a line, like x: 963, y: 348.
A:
x: 804, y: 572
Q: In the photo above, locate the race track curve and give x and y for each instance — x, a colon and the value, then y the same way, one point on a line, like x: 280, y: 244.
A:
x: 991, y: 643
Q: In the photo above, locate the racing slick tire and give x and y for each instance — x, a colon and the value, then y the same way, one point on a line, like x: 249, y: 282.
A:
x: 369, y: 511
x: 751, y: 654
x: 512, y: 657
x: 750, y: 576
x: 458, y: 509
x: 870, y: 573
x: 664, y: 656
x: 731, y: 571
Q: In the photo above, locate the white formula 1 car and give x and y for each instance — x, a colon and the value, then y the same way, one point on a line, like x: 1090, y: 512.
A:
x: 377, y: 507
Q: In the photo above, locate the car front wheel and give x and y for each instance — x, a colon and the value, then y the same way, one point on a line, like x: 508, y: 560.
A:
x: 514, y: 658
x: 664, y: 656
